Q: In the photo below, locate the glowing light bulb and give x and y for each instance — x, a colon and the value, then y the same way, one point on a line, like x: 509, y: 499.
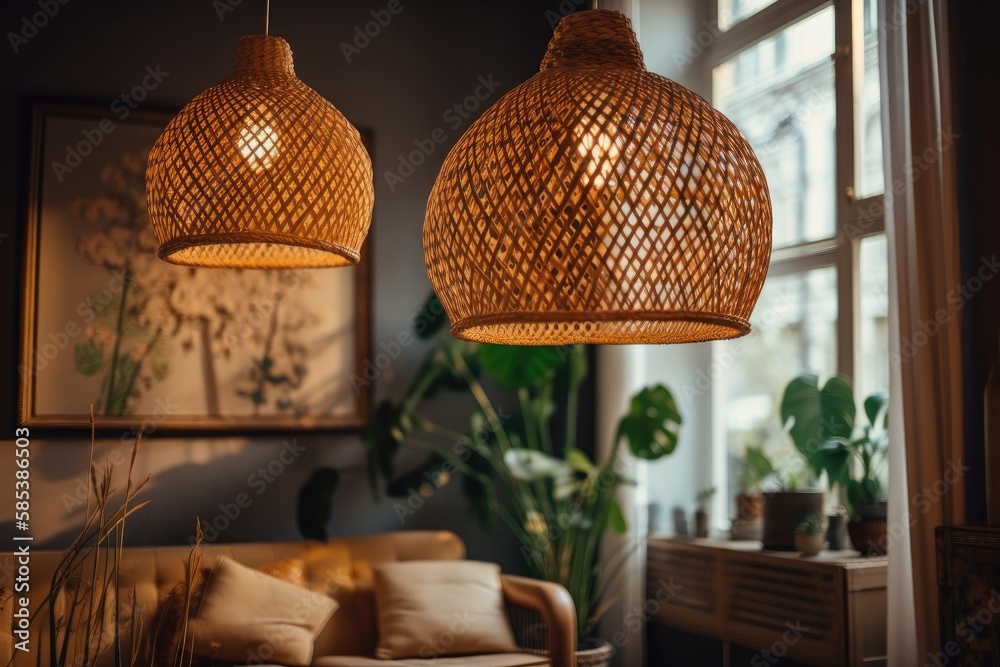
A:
x: 259, y: 145
x: 601, y: 153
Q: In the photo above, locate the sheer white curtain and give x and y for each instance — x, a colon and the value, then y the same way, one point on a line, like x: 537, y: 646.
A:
x: 926, y: 343
x: 621, y: 371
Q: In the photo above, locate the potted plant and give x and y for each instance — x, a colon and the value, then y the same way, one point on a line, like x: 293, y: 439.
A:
x: 703, y: 515
x: 785, y: 502
x: 823, y: 426
x: 810, y: 535
x: 520, y: 464
x: 757, y: 468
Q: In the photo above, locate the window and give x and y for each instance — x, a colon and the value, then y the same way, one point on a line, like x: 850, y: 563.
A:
x: 802, y: 82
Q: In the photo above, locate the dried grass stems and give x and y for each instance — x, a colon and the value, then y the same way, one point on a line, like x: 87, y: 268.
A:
x: 87, y: 584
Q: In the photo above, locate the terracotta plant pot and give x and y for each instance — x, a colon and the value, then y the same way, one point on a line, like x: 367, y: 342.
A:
x: 869, y: 536
x: 783, y: 512
x: 593, y: 652
x: 809, y: 544
x: 749, y: 506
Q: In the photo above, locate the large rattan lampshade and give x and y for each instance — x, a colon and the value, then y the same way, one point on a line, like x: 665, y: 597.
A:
x: 260, y: 172
x: 599, y: 203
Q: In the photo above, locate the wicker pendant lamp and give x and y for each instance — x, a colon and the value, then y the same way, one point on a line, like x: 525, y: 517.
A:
x: 599, y: 203
x: 260, y: 172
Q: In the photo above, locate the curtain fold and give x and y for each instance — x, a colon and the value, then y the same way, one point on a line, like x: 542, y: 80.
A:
x: 622, y: 371
x: 926, y: 349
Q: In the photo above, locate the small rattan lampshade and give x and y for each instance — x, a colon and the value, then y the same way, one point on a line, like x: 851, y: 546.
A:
x: 260, y: 172
x: 599, y: 203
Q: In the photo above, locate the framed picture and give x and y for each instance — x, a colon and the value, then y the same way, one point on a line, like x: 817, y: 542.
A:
x: 106, y: 323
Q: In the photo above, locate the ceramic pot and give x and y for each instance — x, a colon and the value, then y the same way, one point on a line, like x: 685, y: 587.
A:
x: 783, y: 512
x: 749, y: 506
x: 702, y: 523
x: 809, y: 544
x: 593, y: 652
x: 869, y: 536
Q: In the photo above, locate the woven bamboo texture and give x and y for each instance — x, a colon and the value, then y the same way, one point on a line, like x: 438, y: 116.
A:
x: 599, y: 203
x: 260, y: 172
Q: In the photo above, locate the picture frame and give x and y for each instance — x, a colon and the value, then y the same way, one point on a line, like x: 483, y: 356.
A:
x: 106, y: 323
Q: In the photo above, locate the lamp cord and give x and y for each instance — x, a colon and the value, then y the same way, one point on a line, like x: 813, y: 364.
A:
x: 267, y: 17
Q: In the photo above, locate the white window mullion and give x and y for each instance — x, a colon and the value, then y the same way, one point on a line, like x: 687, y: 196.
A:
x: 758, y: 27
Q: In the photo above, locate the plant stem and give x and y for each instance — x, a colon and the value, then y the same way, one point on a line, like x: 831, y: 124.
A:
x: 119, y: 327
x: 484, y: 401
x: 572, y: 406
x: 530, y: 427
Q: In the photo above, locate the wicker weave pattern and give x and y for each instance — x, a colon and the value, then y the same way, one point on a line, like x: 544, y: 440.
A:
x: 260, y: 171
x: 599, y: 203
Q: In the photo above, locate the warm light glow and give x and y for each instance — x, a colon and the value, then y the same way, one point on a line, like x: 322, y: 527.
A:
x: 260, y: 172
x: 601, y: 153
x: 598, y: 203
x: 259, y: 145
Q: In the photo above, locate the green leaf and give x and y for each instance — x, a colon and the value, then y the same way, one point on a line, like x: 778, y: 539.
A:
x: 578, y: 460
x: 516, y: 366
x: 430, y: 318
x: 813, y: 416
x: 874, y: 406
x: 383, y: 437
x: 863, y: 492
x: 835, y: 455
x: 652, y: 423
x: 88, y: 358
x: 615, y: 517
x: 839, y: 408
x: 756, y: 468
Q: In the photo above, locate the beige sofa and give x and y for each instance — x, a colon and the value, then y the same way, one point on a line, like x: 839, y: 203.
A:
x: 542, y: 613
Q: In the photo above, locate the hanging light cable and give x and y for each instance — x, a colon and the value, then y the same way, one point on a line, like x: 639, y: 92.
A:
x: 599, y: 203
x: 260, y: 171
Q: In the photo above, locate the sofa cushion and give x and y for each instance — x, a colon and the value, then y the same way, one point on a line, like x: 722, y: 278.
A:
x: 438, y: 608
x: 490, y: 660
x: 172, y: 615
x: 249, y: 616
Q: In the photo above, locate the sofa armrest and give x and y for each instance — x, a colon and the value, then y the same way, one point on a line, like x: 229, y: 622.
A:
x: 555, y: 606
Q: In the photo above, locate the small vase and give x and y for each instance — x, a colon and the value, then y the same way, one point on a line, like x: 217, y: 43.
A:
x: 836, y: 530
x: 809, y: 544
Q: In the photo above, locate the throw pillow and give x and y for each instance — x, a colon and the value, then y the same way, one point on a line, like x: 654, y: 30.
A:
x: 178, y: 608
x: 428, y: 609
x: 249, y: 616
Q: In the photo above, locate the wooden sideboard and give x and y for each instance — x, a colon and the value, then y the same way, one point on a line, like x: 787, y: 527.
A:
x: 741, y: 605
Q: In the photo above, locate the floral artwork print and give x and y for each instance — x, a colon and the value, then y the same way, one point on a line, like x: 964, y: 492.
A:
x: 108, y: 323
x: 161, y: 309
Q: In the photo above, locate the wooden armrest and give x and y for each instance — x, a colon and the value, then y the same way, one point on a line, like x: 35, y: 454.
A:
x: 555, y: 605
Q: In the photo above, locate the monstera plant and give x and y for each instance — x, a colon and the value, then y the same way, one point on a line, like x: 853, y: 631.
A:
x: 823, y: 424
x: 518, y: 461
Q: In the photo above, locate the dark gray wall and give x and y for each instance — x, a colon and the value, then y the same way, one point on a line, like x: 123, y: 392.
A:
x: 429, y: 57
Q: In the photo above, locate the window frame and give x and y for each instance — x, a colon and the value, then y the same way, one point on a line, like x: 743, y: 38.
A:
x: 855, y: 218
